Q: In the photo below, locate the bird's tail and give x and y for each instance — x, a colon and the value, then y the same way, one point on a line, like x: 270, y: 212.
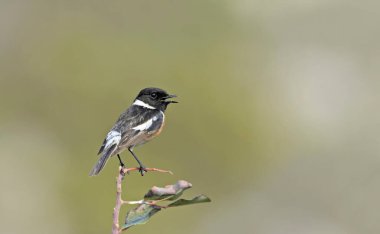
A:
x: 102, y: 161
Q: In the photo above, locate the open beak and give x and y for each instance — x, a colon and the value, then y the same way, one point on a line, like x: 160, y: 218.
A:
x: 170, y: 96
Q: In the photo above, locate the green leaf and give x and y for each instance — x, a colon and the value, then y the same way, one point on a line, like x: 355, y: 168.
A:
x: 195, y: 200
x: 140, y: 215
x: 169, y: 192
x: 143, y: 212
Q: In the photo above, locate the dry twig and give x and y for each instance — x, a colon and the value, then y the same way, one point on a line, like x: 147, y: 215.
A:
x: 119, y: 201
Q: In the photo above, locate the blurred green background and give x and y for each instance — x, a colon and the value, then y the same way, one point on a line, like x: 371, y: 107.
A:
x: 278, y: 120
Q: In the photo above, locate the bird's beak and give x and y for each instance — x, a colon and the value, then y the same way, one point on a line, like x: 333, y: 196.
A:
x: 170, y: 96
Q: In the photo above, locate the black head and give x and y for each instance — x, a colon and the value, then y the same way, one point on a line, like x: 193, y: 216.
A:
x: 156, y: 98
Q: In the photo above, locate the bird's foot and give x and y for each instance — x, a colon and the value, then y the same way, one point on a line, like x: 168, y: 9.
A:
x: 142, y: 170
x: 123, y: 169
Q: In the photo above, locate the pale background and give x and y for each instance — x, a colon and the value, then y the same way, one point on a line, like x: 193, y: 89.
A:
x: 278, y: 120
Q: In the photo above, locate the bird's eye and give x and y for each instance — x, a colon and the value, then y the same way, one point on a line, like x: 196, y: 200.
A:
x: 154, y: 95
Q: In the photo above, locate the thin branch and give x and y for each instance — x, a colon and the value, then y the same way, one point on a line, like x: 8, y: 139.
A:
x: 119, y: 202
x: 127, y: 170
x: 116, y: 210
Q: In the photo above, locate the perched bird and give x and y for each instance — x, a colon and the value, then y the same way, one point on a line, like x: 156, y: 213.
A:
x: 141, y: 122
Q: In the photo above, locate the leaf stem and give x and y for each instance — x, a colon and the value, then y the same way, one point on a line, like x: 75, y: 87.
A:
x: 134, y: 202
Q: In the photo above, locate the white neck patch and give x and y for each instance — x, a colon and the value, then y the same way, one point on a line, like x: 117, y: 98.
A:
x: 143, y: 104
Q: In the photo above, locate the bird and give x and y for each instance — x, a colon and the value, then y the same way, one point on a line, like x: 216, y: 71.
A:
x: 140, y: 123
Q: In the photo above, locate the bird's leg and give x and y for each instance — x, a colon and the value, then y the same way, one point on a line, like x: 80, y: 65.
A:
x: 122, y: 165
x: 142, y: 169
x: 121, y: 162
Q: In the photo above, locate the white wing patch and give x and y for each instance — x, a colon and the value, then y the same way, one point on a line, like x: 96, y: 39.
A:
x: 113, y: 137
x: 143, y: 104
x: 146, y: 125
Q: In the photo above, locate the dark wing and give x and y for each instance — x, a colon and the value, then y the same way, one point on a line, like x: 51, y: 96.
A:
x: 132, y: 128
x: 133, y: 116
x: 139, y: 133
x: 157, y: 123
